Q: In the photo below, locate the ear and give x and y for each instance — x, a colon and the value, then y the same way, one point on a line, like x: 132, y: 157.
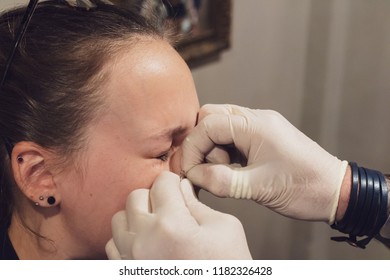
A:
x: 32, y: 174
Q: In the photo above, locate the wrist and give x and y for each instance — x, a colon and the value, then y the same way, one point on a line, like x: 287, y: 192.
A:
x: 366, y: 209
x: 345, y: 193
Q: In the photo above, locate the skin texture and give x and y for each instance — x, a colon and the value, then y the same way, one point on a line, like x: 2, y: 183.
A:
x: 151, y: 105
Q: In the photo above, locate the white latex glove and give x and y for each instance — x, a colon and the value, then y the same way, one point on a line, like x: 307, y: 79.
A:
x: 169, y: 222
x: 285, y: 170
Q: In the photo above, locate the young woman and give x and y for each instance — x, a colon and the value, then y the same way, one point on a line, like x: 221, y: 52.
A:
x: 95, y: 103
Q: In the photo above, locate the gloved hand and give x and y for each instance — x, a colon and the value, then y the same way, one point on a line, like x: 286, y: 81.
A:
x: 285, y: 170
x: 169, y: 222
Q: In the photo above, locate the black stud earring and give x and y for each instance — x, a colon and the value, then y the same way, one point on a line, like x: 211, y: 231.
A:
x: 51, y: 200
x: 20, y: 159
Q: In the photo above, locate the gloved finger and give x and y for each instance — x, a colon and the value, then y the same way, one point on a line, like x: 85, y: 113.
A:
x: 218, y: 155
x: 227, y: 154
x: 201, y: 212
x: 111, y: 251
x: 215, y: 178
x: 121, y: 234
x: 119, y: 224
x: 208, y: 109
x: 137, y: 203
x: 199, y: 142
x: 214, y: 130
x: 221, y: 109
x: 165, y: 195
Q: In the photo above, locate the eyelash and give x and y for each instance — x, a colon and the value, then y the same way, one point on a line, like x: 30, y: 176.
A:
x: 165, y: 156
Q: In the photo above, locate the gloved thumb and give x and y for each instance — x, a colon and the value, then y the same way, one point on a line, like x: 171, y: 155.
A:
x: 215, y: 178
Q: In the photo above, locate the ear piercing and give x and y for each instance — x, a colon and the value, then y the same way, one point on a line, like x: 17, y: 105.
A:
x: 20, y: 159
x: 50, y: 200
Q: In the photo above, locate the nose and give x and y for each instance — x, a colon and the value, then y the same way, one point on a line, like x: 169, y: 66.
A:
x: 175, y: 161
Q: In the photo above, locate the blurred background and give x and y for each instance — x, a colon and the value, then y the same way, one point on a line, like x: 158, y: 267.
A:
x: 325, y: 65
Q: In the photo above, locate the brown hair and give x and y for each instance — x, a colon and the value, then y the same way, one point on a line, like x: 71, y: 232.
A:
x: 52, y: 88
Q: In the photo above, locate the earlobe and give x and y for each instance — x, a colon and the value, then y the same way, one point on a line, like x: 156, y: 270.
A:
x: 32, y: 174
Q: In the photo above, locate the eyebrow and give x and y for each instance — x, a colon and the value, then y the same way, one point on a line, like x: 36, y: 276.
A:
x: 168, y: 133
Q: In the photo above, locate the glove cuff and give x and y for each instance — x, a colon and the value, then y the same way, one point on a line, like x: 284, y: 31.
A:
x: 367, y: 208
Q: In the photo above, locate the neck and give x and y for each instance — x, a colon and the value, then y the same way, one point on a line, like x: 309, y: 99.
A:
x: 37, y: 243
x: 29, y: 243
x: 50, y: 234
x: 42, y: 235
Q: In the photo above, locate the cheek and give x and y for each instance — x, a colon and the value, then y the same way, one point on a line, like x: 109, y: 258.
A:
x: 106, y: 185
x: 91, y: 199
x: 135, y: 175
x: 143, y: 174
x: 118, y: 182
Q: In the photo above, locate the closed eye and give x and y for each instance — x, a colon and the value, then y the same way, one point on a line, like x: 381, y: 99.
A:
x: 164, y: 157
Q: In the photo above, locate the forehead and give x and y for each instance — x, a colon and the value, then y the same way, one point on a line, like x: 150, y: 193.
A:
x: 150, y: 87
x: 144, y: 65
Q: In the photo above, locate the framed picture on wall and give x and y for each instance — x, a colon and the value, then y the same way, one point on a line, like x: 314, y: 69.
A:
x: 202, y: 26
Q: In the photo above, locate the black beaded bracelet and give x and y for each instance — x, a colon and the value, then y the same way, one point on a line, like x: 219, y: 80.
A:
x: 367, y: 208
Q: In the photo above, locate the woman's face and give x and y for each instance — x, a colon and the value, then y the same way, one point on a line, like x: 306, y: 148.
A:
x: 151, y: 105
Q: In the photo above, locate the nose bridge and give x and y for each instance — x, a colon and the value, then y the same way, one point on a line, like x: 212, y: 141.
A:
x: 175, y: 161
